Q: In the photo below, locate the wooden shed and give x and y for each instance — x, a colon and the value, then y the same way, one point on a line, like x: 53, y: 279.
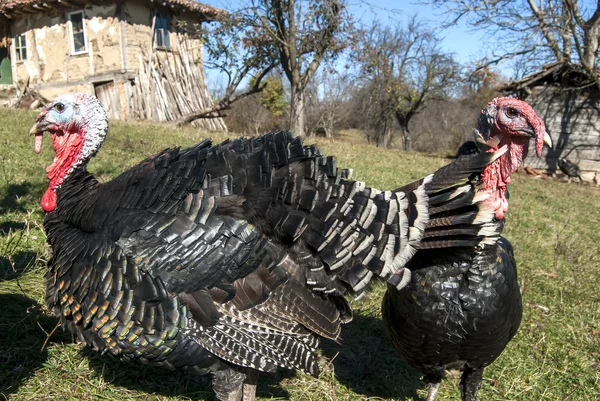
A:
x: 142, y: 58
x: 562, y: 94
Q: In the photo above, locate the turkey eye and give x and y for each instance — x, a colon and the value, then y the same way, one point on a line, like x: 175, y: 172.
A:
x: 60, y: 107
x: 511, y: 113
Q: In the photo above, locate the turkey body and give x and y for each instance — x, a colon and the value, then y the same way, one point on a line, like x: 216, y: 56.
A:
x: 162, y: 264
x: 235, y: 258
x: 459, y: 311
x: 569, y: 168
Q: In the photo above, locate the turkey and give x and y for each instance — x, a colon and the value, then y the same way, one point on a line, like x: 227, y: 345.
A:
x: 233, y: 258
x: 569, y: 168
x: 463, y: 305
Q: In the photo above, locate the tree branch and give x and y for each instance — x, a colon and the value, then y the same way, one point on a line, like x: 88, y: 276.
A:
x: 323, y: 43
x: 552, y: 43
x: 227, y: 101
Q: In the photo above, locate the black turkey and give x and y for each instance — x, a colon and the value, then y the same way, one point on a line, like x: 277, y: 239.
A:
x: 234, y: 258
x: 463, y: 305
x: 569, y: 168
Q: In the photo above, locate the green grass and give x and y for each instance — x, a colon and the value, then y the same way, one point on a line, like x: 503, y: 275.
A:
x: 552, y: 225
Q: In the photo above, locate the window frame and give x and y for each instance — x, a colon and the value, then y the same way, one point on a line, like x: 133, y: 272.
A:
x: 20, y: 46
x: 72, y: 34
x: 165, y: 38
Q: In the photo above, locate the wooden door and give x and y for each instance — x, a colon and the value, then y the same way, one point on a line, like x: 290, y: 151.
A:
x: 107, y: 94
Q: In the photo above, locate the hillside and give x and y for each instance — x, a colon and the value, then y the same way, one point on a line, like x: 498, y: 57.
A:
x: 552, y: 225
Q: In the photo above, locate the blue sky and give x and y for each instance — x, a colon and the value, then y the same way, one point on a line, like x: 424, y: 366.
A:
x: 465, y: 44
x: 458, y: 40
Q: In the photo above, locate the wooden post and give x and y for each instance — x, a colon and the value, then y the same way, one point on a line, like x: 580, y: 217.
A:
x: 123, y: 37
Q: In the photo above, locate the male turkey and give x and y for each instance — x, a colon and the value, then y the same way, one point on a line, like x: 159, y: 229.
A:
x: 569, y: 168
x: 463, y: 305
x: 233, y: 258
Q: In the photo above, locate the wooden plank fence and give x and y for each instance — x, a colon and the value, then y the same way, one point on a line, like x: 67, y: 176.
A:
x: 170, y: 84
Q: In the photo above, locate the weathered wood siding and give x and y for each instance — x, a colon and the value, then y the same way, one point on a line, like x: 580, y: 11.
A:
x: 572, y: 118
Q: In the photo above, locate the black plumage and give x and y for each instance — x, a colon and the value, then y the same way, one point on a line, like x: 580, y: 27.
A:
x: 232, y: 258
x: 459, y: 311
x: 462, y: 304
x: 467, y: 148
x: 569, y: 168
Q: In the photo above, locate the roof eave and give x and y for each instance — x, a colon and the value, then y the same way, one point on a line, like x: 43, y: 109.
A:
x: 15, y: 8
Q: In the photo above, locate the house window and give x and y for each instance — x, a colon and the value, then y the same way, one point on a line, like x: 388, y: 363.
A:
x: 78, y: 39
x: 161, y: 30
x: 21, y: 47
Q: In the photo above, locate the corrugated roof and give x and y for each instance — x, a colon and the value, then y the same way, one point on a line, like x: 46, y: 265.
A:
x: 8, y: 8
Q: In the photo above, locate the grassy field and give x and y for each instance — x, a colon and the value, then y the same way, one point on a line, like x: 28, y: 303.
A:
x: 553, y: 226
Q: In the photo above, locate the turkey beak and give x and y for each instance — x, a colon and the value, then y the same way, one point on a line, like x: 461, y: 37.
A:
x: 528, y: 131
x: 542, y: 138
x: 547, y: 139
x: 38, y: 129
x: 40, y: 125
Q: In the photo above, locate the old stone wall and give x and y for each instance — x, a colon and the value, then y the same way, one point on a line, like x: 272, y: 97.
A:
x: 138, y: 34
x: 572, y: 118
x: 119, y: 38
x: 50, y: 63
x: 115, y: 39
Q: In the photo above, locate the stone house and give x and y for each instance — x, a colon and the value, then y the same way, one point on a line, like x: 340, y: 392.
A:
x: 570, y: 106
x: 137, y: 56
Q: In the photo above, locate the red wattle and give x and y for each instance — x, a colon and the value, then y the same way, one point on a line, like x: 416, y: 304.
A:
x: 49, y: 200
x: 496, y: 176
x: 67, y: 148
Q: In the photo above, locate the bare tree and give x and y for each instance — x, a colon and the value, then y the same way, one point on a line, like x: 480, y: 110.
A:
x: 248, y: 117
x: 326, y: 98
x: 444, y: 125
x: 262, y: 112
x: 534, y: 31
x: 296, y: 35
x: 304, y: 33
x: 239, y: 53
x: 404, y: 69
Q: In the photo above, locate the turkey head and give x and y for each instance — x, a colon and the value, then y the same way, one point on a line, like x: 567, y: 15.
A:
x: 511, y: 122
x: 506, y: 116
x: 78, y: 125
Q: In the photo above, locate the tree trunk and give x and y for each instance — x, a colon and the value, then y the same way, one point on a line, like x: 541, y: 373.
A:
x: 297, y: 112
x: 590, y: 50
x: 384, y: 135
x: 406, y: 141
x: 329, y: 127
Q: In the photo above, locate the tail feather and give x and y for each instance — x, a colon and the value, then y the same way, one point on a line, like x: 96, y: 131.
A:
x: 344, y: 233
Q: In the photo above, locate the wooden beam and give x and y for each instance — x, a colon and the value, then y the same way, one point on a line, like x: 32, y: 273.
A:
x: 29, y: 10
x: 71, y: 3
x: 123, y: 37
